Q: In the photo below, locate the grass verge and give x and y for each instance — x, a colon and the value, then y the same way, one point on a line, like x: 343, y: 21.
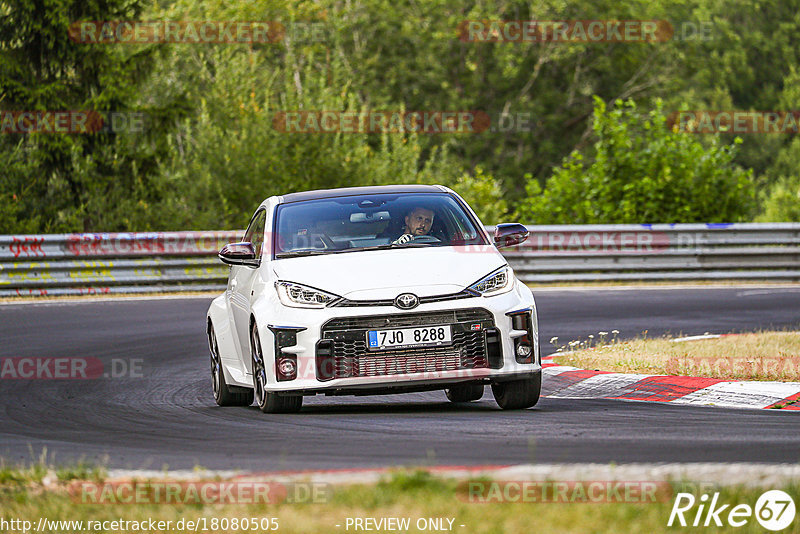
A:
x: 416, y: 495
x: 773, y: 356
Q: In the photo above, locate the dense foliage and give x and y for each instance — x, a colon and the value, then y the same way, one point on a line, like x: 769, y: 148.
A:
x: 642, y: 172
x: 583, y: 137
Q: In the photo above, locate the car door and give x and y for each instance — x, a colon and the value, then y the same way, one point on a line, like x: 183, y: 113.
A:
x: 240, y: 286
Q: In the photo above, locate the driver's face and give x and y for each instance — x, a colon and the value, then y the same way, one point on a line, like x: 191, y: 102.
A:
x: 419, y: 222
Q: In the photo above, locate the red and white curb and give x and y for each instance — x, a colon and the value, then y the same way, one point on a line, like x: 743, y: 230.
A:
x: 567, y: 382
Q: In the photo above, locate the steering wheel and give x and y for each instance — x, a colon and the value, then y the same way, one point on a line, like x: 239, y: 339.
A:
x: 426, y: 239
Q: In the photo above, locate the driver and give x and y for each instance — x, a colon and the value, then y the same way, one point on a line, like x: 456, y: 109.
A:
x: 418, y: 222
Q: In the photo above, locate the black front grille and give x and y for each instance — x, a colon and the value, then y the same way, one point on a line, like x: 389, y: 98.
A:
x: 343, y: 353
x: 346, y: 303
x: 408, y: 319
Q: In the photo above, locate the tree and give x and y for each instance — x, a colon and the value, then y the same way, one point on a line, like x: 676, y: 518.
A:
x: 54, y: 182
x: 230, y: 154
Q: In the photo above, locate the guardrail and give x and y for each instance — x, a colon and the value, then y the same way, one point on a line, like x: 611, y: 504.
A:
x: 82, y: 264
x: 86, y: 264
x: 659, y: 252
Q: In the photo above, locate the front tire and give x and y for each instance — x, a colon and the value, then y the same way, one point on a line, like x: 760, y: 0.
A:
x: 518, y: 394
x: 268, y: 402
x: 467, y: 393
x: 224, y: 395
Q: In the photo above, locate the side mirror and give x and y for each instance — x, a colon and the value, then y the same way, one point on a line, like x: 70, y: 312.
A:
x: 239, y: 254
x: 510, y: 234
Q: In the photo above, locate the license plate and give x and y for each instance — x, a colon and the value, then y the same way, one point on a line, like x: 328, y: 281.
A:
x: 421, y: 336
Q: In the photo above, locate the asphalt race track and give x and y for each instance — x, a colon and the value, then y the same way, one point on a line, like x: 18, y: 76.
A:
x: 167, y: 417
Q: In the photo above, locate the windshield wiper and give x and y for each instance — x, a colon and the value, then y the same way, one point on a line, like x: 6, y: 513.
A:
x: 388, y: 246
x: 409, y: 244
x: 297, y: 253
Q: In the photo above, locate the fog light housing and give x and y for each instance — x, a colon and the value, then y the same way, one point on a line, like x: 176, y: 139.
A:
x: 523, y: 345
x: 285, y: 362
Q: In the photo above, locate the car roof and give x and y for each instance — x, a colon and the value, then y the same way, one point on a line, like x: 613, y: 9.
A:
x: 353, y: 191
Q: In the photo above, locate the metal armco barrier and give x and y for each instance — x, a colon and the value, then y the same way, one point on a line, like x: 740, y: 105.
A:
x: 86, y: 264
x: 82, y: 264
x: 659, y: 252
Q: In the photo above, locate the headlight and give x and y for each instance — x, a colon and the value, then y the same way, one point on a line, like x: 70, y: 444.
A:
x: 300, y: 296
x: 496, y: 282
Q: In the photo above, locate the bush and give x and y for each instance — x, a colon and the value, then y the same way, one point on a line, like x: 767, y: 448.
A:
x: 483, y: 193
x: 642, y: 172
x: 782, y: 202
x: 781, y: 199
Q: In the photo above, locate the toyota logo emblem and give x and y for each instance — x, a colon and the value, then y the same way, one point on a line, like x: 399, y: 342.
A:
x: 406, y: 301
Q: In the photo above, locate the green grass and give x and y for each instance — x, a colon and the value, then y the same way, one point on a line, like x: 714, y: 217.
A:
x: 414, y: 494
x: 80, y: 471
x: 770, y: 356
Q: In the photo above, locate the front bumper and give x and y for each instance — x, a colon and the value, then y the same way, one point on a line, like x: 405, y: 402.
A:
x: 482, y: 350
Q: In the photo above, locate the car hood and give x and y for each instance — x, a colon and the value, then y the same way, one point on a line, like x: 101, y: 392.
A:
x: 383, y: 274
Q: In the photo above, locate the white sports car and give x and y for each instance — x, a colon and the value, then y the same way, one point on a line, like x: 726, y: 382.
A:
x: 372, y: 290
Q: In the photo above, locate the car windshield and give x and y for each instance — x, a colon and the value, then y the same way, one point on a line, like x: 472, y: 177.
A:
x: 366, y: 222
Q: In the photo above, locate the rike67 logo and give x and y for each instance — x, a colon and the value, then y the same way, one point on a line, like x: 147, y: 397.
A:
x: 774, y: 510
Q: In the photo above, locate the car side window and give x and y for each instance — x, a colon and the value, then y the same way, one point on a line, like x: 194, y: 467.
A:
x: 255, y: 232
